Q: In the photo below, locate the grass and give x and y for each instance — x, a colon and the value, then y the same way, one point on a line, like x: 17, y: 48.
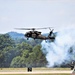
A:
x: 34, y: 69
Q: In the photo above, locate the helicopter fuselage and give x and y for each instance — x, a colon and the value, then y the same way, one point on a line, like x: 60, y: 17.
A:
x: 37, y: 35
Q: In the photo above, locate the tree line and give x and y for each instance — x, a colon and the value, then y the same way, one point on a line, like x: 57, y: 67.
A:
x: 20, y: 53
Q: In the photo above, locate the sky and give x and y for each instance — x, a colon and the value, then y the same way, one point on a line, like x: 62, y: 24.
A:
x: 58, y: 14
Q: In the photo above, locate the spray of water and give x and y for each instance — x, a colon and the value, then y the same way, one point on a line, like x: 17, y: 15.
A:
x: 62, y: 50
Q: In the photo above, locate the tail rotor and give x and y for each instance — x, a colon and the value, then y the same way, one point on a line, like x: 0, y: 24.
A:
x: 51, y: 32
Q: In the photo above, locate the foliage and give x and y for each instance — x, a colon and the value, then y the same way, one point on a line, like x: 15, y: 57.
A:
x: 6, y: 48
x: 29, y: 58
x: 20, y: 53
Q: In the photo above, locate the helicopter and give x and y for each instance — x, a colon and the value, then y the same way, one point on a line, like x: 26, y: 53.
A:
x: 37, y: 34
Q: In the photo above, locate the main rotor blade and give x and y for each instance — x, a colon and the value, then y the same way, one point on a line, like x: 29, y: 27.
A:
x: 32, y: 28
x: 23, y: 28
x: 44, y: 28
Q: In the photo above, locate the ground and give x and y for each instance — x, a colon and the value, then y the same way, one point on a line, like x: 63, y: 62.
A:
x: 36, y: 71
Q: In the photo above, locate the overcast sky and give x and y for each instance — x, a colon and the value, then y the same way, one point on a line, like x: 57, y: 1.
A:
x: 36, y: 13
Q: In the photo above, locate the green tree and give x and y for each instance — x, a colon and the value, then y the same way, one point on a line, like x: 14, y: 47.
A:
x: 5, y: 41
x: 39, y: 57
x: 6, y: 46
x: 22, y: 47
x: 22, y: 51
x: 16, y: 62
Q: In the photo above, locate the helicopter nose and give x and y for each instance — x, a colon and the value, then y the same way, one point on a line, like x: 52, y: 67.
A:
x: 25, y: 35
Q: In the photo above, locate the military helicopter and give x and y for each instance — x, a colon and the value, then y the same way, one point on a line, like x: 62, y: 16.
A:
x: 37, y: 34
